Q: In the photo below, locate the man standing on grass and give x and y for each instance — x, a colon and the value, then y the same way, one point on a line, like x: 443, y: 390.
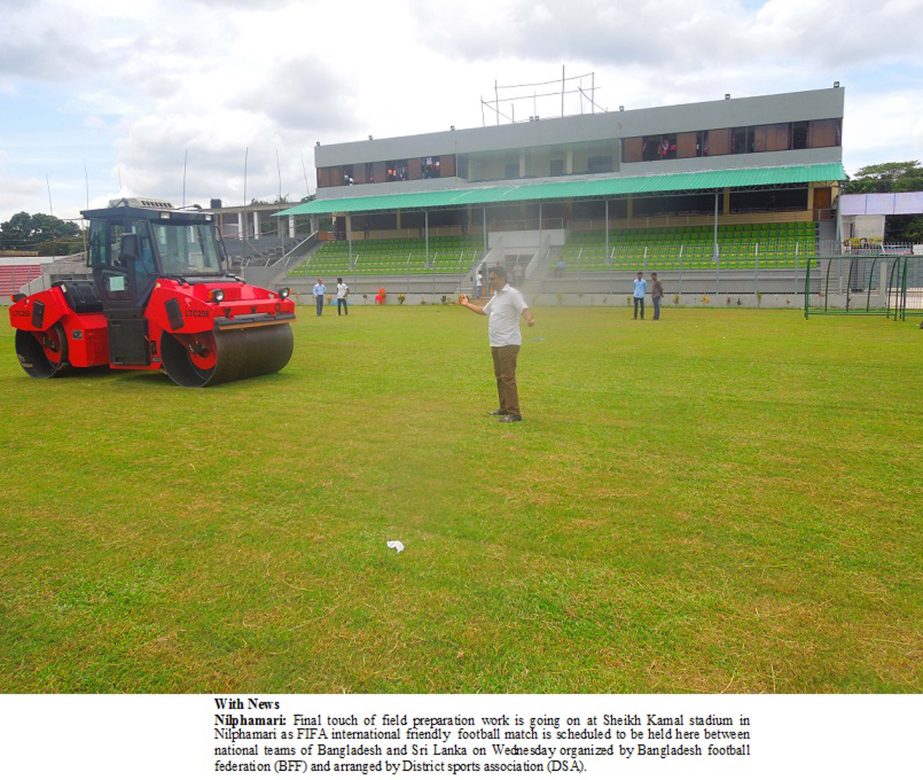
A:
x: 342, y: 295
x: 656, y: 294
x: 320, y: 290
x: 640, y: 290
x: 503, y: 311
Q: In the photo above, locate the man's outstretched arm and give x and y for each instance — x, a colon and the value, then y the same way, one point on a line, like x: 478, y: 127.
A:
x: 463, y: 301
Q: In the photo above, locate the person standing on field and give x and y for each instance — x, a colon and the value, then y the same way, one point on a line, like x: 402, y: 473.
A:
x: 640, y: 290
x: 320, y: 290
x: 503, y: 310
x: 519, y: 275
x: 342, y: 295
x: 656, y: 294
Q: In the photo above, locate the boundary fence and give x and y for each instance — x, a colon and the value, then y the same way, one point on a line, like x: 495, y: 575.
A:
x: 882, y: 285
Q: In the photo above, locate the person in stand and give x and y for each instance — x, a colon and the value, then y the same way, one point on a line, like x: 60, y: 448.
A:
x: 656, y: 294
x: 640, y: 291
x: 320, y: 290
x: 478, y: 284
x: 342, y: 295
x: 519, y: 275
x: 503, y: 310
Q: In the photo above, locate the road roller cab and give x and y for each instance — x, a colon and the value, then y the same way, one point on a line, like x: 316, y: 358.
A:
x: 160, y: 299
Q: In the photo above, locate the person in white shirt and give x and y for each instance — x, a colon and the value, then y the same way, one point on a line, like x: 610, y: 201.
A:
x: 320, y: 290
x: 342, y: 293
x: 503, y: 310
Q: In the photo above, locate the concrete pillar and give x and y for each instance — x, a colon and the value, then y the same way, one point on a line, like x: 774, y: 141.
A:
x: 241, y: 231
x: 522, y: 164
x: 569, y: 162
x: 726, y: 208
x: 256, y: 224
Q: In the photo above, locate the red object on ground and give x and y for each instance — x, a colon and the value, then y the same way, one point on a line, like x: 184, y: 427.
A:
x: 183, y: 331
x: 160, y: 299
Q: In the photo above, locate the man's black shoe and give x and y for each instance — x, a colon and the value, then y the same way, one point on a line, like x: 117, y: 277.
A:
x: 511, y: 418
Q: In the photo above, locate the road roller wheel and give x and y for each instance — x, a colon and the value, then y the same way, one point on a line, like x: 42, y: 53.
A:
x: 42, y: 354
x: 197, y: 360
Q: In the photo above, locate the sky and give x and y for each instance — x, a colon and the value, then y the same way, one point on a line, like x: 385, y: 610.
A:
x: 176, y: 99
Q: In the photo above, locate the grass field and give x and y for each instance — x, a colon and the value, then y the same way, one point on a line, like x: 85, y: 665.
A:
x: 722, y: 501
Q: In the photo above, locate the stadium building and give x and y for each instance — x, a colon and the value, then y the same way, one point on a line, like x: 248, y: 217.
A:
x: 708, y: 193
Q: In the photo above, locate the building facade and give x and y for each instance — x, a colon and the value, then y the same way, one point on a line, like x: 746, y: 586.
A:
x: 801, y: 128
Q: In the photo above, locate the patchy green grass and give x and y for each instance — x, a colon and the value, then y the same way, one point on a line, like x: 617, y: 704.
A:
x: 719, y: 501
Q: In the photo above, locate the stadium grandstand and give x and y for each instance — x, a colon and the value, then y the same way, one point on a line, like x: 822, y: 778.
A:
x: 724, y: 196
x: 18, y: 272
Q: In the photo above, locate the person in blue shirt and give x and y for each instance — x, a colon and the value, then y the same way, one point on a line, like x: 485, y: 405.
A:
x: 640, y: 290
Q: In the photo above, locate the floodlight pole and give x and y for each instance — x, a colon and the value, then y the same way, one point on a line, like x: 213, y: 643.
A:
x: 185, y: 161
x: 540, y: 245
x: 715, y: 256
x: 807, y: 288
x: 497, y: 98
x: 246, y: 156
x: 563, y: 89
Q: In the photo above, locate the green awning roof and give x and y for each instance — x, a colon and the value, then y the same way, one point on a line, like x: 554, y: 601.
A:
x: 584, y: 188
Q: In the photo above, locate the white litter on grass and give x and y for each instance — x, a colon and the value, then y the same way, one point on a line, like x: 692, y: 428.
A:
x: 394, y: 544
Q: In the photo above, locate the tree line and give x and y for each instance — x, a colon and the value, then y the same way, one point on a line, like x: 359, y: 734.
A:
x: 41, y: 233
x: 892, y: 177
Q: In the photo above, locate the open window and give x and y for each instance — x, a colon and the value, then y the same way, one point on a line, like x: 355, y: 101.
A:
x: 659, y: 147
x: 396, y: 170
x: 432, y: 168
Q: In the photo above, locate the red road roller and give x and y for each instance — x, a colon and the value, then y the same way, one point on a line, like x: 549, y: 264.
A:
x: 160, y: 299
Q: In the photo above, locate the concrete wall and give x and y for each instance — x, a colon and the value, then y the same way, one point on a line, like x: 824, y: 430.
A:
x: 871, y: 227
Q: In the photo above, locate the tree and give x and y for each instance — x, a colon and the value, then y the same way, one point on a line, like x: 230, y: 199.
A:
x: 892, y: 177
x: 904, y: 228
x: 25, y: 232
x: 887, y: 177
